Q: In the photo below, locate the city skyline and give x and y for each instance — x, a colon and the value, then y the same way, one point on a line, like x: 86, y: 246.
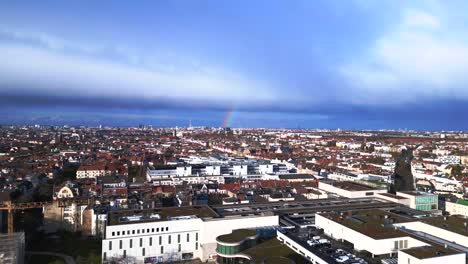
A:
x: 321, y: 64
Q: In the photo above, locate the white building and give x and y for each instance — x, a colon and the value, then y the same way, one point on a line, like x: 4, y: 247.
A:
x: 240, y: 170
x: 171, y: 233
x: 213, y: 170
x: 349, y: 189
x: 457, y: 208
x: 266, y: 168
x: 91, y: 172
x: 382, y: 233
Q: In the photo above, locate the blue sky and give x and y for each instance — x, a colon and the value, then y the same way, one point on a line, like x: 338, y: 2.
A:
x: 310, y: 64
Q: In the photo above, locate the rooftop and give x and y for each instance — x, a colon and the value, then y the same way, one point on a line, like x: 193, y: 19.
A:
x: 350, y: 186
x: 272, y: 251
x: 462, y: 202
x: 414, y: 193
x: 373, y: 223
x: 237, y: 236
x: 391, y: 195
x: 456, y: 224
x: 429, y: 252
x: 159, y: 214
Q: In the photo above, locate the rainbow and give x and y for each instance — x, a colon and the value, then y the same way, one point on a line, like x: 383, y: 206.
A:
x: 227, y: 121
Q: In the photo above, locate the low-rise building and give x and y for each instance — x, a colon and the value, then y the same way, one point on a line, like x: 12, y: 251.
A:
x: 421, y: 201
x: 460, y: 207
x: 171, y: 233
x: 382, y: 233
x: 349, y: 189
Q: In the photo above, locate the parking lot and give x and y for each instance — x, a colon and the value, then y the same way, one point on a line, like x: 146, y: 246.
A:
x: 328, y: 249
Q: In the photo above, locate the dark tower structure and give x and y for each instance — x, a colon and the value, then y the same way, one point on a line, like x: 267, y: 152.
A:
x: 402, y: 178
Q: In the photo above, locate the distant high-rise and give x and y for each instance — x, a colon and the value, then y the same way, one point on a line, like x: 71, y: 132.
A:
x: 402, y: 178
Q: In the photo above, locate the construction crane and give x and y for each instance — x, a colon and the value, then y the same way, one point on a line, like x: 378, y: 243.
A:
x: 10, y: 207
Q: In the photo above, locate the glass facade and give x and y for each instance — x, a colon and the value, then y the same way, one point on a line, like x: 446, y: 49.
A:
x: 426, y: 202
x: 231, y: 250
x: 222, y: 260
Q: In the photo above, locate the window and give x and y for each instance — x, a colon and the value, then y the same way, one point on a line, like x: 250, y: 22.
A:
x: 167, y: 228
x: 169, y: 239
x: 138, y: 231
x: 131, y: 243
x: 395, y: 246
x: 196, y: 236
x: 125, y: 254
x: 147, y: 230
x: 188, y: 237
x: 133, y: 232
x: 120, y: 244
x: 104, y: 255
x: 405, y: 243
x: 180, y: 247
x: 113, y: 233
x: 152, y: 230
x: 157, y: 229
x: 162, y: 250
x: 128, y: 232
x: 143, y: 252
x: 118, y: 233
x: 141, y: 242
x: 142, y: 231
x: 178, y: 238
x: 196, y: 245
x: 110, y: 245
x: 160, y: 240
x: 150, y: 241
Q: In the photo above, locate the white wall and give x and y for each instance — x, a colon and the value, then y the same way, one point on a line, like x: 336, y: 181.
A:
x: 213, y: 170
x: 361, y: 241
x: 176, y: 227
x: 404, y: 258
x: 436, y: 231
x: 349, y: 194
x: 207, y: 232
x: 456, y: 209
x: 239, y: 169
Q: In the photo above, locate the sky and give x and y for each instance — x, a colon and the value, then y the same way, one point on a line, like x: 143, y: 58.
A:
x: 351, y: 64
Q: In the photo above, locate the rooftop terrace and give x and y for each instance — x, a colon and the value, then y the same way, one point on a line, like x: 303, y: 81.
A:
x: 237, y: 236
x: 272, y: 251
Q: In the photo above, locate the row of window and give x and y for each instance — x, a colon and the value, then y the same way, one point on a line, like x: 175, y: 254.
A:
x: 150, y: 241
x: 143, y: 251
x: 400, y: 244
x: 142, y: 231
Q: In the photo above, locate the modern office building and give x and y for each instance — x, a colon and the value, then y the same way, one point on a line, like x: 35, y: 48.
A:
x: 420, y: 200
x: 166, y: 234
